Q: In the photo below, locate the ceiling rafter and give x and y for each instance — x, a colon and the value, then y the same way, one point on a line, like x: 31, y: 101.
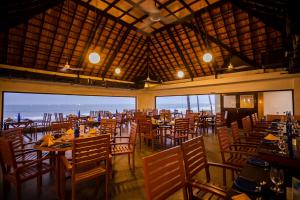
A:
x: 117, y: 49
x: 155, y: 68
x: 193, y: 49
x: 126, y: 75
x: 68, y: 32
x: 79, y: 34
x: 54, y: 36
x: 165, y: 64
x: 162, y: 50
x: 107, y: 56
x: 185, y: 50
x: 167, y: 45
x: 228, y: 32
x: 20, y: 61
x: 180, y: 54
x: 39, y: 38
x: 132, y: 67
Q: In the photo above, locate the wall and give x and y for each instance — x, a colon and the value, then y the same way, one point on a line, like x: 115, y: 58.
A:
x: 278, y: 102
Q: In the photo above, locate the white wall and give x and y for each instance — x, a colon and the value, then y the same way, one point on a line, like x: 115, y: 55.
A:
x: 278, y: 102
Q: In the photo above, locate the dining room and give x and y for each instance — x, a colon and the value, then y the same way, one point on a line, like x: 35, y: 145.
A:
x: 149, y: 99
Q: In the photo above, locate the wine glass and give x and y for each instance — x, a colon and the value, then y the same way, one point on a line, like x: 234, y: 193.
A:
x: 282, y: 146
x: 277, y: 177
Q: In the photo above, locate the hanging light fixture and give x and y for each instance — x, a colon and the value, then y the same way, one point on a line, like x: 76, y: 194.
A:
x: 180, y: 74
x: 118, y: 70
x: 207, y: 57
x: 94, y: 57
x: 230, y: 66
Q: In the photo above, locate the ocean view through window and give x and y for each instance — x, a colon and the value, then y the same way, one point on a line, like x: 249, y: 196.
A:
x: 32, y: 106
x: 181, y: 103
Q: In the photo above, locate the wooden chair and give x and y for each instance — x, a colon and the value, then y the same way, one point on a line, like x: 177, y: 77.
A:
x: 195, y: 160
x: 192, y: 124
x: 23, y: 150
x: 149, y: 133
x: 180, y: 131
x: 233, y: 154
x: 164, y: 174
x: 238, y: 139
x: 17, y: 173
x: 88, y: 155
x: 249, y: 131
x: 126, y: 148
x: 109, y: 126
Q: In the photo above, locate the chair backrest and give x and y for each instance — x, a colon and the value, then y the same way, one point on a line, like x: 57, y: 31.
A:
x: 108, y: 126
x: 132, y: 136
x: 15, y: 135
x: 60, y: 117
x: 182, y: 125
x: 56, y: 117
x: 58, y: 126
x: 91, y: 150
x: 194, y: 156
x: 246, y: 122
x: 235, y: 132
x: 164, y: 173
x: 224, y: 140
x: 7, y: 156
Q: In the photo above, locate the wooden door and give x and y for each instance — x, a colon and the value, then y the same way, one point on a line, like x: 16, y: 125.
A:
x: 239, y: 105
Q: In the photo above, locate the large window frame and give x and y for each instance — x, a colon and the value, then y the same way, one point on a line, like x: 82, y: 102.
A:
x: 3, y: 93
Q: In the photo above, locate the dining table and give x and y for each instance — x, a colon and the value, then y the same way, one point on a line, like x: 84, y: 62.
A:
x: 61, y: 145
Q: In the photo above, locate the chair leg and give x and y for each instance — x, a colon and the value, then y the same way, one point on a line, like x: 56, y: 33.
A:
x: 133, y: 162
x: 73, y: 191
x: 129, y: 161
x: 106, y: 186
x: 19, y: 190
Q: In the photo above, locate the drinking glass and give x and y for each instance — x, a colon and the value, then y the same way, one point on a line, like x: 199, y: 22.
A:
x: 277, y: 177
x: 282, y: 146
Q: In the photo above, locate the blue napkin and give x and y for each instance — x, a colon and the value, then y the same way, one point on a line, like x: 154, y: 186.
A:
x: 258, y: 162
x: 245, y: 184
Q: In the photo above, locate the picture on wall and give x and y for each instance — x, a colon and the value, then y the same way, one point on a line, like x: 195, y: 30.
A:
x: 246, y: 101
x: 229, y: 101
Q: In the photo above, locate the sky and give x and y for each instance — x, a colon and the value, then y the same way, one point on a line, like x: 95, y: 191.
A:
x: 46, y: 99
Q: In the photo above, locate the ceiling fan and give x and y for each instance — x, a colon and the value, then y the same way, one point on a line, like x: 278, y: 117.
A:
x: 148, y: 82
x: 150, y: 8
x: 67, y: 67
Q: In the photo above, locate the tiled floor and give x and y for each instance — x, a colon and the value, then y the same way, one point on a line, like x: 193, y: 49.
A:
x: 125, y: 185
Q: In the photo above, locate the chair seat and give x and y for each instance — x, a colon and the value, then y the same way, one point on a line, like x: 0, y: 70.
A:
x: 32, y: 171
x: 95, y: 172
x: 120, y: 149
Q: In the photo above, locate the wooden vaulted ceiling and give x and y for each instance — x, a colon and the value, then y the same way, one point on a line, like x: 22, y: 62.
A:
x: 72, y: 30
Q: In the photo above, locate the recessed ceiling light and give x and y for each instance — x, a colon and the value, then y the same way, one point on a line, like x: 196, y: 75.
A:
x: 180, y: 74
x: 94, y: 57
x: 207, y: 57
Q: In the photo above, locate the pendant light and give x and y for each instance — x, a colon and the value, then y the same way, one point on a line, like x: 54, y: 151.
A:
x: 180, y: 74
x: 118, y: 70
x: 94, y: 56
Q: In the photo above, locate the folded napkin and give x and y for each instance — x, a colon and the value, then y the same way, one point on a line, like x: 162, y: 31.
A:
x: 48, y: 140
x: 241, y: 196
x: 70, y: 131
x: 271, y: 137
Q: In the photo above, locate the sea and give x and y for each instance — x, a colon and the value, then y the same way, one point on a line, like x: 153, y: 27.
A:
x: 36, y: 112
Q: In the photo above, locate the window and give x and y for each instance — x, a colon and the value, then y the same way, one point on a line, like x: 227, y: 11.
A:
x: 33, y: 106
x: 180, y: 103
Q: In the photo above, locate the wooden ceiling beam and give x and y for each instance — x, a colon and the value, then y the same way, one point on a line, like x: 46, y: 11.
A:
x: 185, y: 50
x: 140, y: 70
x: 180, y: 54
x: 126, y: 75
x: 68, y: 33
x: 170, y: 50
x: 18, y: 12
x: 115, y: 52
x: 20, y: 61
x: 193, y: 49
x: 130, y: 69
x: 127, y: 48
x: 54, y: 36
x: 274, y: 22
x: 165, y: 64
x: 38, y: 39
x: 155, y: 70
